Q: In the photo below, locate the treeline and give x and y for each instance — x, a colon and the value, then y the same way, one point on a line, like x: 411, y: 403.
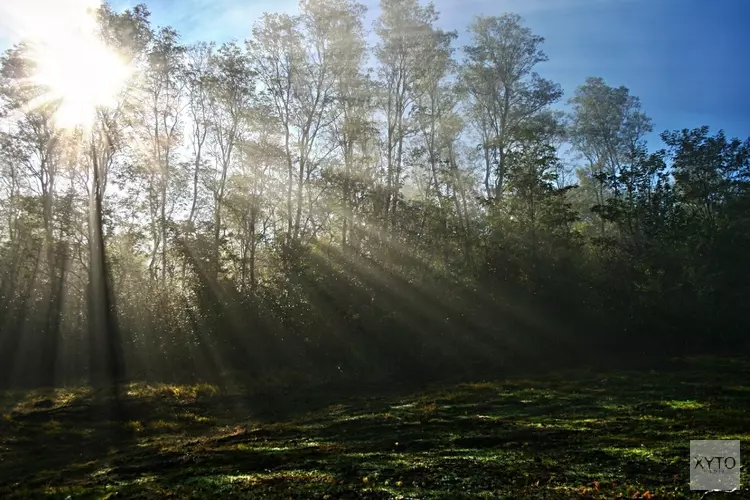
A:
x: 304, y: 206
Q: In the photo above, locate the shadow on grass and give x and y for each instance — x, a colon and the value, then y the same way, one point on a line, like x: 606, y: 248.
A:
x: 569, y: 435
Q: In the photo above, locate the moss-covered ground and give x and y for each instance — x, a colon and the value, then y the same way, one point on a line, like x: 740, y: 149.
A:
x: 574, y: 434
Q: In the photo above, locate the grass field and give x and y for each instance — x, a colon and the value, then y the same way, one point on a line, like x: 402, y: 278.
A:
x: 577, y: 434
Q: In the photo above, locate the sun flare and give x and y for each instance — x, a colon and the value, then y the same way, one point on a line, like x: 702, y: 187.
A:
x: 74, y: 67
x: 81, y: 74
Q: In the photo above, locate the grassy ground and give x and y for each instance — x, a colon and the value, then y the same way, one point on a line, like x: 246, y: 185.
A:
x: 568, y: 435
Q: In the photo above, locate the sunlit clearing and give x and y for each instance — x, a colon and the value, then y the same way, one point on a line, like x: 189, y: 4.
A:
x: 78, y: 71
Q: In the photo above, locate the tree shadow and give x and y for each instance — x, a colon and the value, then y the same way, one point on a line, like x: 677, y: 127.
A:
x: 553, y: 437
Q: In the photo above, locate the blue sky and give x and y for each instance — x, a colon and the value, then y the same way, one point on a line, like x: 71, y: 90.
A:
x: 685, y: 59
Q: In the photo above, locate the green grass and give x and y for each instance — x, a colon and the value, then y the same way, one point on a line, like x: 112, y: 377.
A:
x: 577, y: 434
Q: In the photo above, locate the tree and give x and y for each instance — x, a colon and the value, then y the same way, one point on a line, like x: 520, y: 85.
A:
x: 439, y: 126
x: 505, y: 92
x: 351, y: 123
x: 407, y: 34
x: 710, y: 171
x: 163, y: 91
x: 607, y: 128
x: 231, y: 99
x: 198, y: 75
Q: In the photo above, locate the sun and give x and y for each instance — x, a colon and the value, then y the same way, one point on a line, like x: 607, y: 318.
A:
x: 82, y: 75
x: 77, y: 71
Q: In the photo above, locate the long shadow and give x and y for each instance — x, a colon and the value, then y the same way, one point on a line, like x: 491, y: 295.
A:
x: 544, y: 436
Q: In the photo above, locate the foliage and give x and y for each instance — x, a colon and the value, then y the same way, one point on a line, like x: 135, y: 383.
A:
x: 286, y: 208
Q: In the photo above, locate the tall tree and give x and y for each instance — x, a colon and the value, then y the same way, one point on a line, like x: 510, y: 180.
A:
x: 406, y: 35
x: 505, y: 91
x: 607, y: 128
x: 231, y: 99
x: 164, y: 92
x: 352, y: 112
x: 276, y: 54
x: 198, y: 69
x: 35, y: 147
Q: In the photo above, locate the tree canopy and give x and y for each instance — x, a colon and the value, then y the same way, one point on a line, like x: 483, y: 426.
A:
x: 287, y: 207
